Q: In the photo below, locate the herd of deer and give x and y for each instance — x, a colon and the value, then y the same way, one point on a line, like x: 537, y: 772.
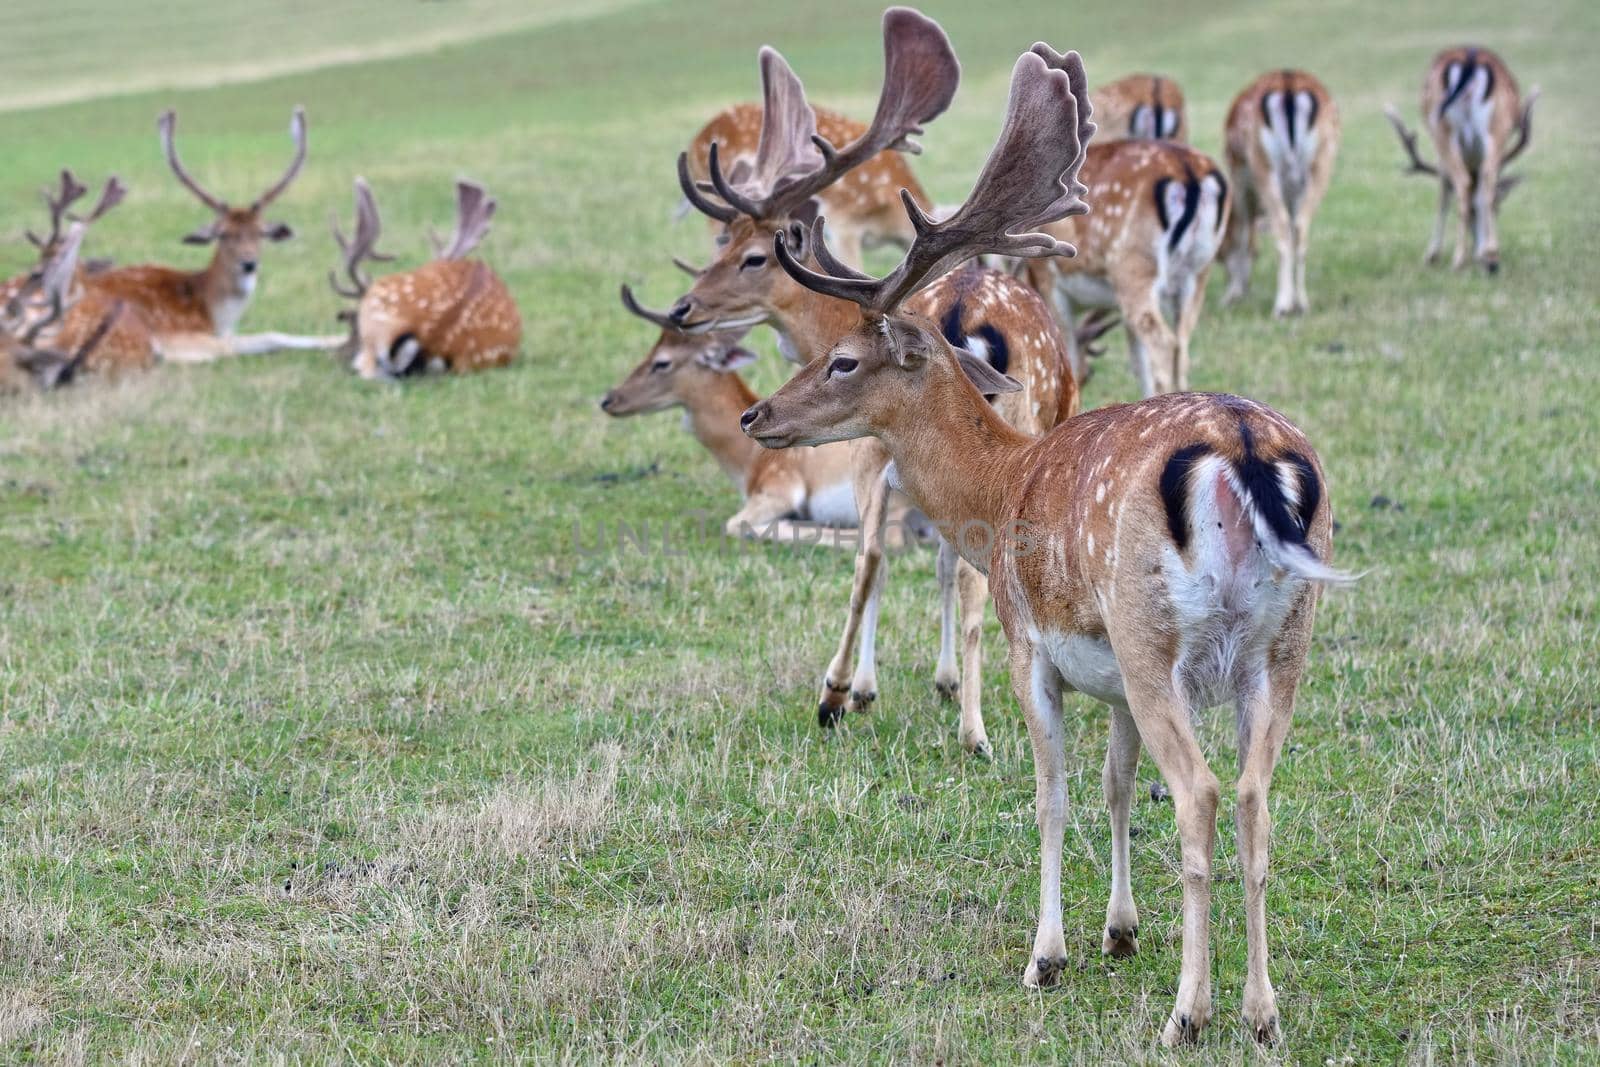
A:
x: 1162, y: 557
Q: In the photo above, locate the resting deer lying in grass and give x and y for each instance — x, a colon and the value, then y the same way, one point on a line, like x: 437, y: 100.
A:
x: 120, y: 340
x: 35, y: 351
x: 1281, y: 137
x: 1479, y: 122
x: 1162, y: 557
x: 191, y: 315
x: 1140, y: 106
x: 984, y: 311
x: 1159, y: 214
x: 863, y: 207
x: 451, y: 314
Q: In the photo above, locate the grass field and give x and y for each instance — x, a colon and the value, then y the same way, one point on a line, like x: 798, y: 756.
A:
x: 320, y: 738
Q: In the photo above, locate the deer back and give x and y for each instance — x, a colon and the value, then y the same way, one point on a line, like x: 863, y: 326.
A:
x: 459, y: 311
x: 1470, y: 76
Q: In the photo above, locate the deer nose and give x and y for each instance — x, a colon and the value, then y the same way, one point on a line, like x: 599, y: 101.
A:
x: 680, y: 311
x: 752, y: 415
x: 248, y: 266
x: 607, y: 400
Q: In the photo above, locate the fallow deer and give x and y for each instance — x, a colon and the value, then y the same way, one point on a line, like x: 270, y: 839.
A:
x: 450, y: 314
x: 191, y: 315
x: 1160, y: 209
x: 1161, y: 557
x: 1479, y: 122
x: 863, y: 207
x: 981, y: 310
x: 34, y: 353
x: 121, y: 342
x: 1140, y: 106
x: 1281, y: 137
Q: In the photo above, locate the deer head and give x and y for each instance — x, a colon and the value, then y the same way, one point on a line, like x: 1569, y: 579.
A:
x: 792, y: 164
x: 237, y: 231
x: 44, y: 296
x: 675, y: 367
x: 883, y: 370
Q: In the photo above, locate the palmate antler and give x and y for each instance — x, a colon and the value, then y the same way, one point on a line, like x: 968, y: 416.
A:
x: 1031, y: 178
x: 793, y: 163
x: 474, y: 210
x: 70, y: 192
x: 353, y: 251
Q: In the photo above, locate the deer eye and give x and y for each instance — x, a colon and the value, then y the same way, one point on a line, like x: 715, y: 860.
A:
x: 753, y: 261
x: 661, y: 364
x: 843, y: 366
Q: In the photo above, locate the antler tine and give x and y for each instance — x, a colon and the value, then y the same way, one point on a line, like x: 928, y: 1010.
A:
x: 1408, y: 140
x: 297, y: 130
x: 920, y: 77
x: 474, y: 210
x: 692, y: 193
x: 166, y: 125
x: 688, y: 268
x: 112, y: 195
x: 1031, y: 178
x: 659, y: 318
x: 57, y: 204
x: 360, y: 246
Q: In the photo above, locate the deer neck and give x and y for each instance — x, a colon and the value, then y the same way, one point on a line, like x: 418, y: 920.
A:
x: 225, y: 293
x: 957, y: 459
x: 810, y: 325
x: 714, y: 403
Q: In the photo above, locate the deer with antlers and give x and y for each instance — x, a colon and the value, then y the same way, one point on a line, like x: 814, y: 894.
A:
x: 1480, y: 123
x: 452, y: 313
x: 109, y: 337
x: 35, y: 348
x: 1140, y: 106
x: 1162, y: 557
x: 863, y: 207
x: 191, y: 315
x: 983, y: 311
x: 1145, y: 252
x: 1281, y: 137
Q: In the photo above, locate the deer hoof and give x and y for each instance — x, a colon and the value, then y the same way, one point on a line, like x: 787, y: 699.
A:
x: 1044, y: 971
x: 861, y: 700
x: 1120, y: 941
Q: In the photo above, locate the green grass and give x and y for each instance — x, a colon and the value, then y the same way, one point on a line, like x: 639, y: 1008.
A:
x: 318, y: 738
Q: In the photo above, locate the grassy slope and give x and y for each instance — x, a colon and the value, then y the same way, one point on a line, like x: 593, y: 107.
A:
x: 318, y: 736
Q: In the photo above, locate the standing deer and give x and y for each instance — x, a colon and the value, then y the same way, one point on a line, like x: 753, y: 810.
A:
x: 1472, y: 108
x: 450, y: 314
x: 863, y: 207
x: 120, y: 340
x: 980, y: 310
x: 1281, y: 137
x: 191, y: 315
x: 1160, y: 209
x: 1140, y: 106
x: 34, y: 351
x: 1162, y: 557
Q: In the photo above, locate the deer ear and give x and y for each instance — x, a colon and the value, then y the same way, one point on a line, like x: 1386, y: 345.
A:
x: 279, y: 231
x: 726, y: 360
x: 203, y: 236
x: 988, y: 380
x: 909, y: 345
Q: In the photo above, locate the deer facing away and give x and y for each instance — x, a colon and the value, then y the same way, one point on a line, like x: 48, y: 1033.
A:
x: 1146, y: 106
x: 1162, y: 557
x: 450, y: 314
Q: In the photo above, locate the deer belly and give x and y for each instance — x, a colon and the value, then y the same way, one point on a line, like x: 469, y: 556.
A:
x: 1088, y: 290
x: 833, y: 505
x: 1086, y: 664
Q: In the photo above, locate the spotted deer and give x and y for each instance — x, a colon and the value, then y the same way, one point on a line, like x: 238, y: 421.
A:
x: 191, y: 315
x: 1480, y: 123
x: 984, y: 311
x: 1281, y: 137
x: 121, y: 341
x: 1162, y: 557
x: 1140, y: 106
x: 450, y: 314
x: 35, y: 351
x: 863, y: 207
x: 1146, y: 251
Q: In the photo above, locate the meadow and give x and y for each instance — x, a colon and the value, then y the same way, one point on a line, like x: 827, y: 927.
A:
x: 326, y: 732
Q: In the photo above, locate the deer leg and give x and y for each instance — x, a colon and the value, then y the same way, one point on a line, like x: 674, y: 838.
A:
x: 947, y: 676
x: 1038, y: 686
x: 1122, y: 760
x: 1239, y: 244
x: 1485, y: 195
x: 1460, y: 178
x: 256, y: 344
x: 872, y: 504
x: 1152, y: 345
x: 758, y: 519
x: 1436, y: 242
x: 1283, y: 235
x: 974, y: 596
x: 1193, y: 300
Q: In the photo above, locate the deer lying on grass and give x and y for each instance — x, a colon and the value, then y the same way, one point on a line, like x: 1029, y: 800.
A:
x: 1140, y: 106
x: 191, y: 315
x: 34, y: 349
x: 450, y: 314
x: 1162, y: 557
x: 1159, y: 214
x: 120, y: 340
x: 1281, y: 137
x: 863, y: 207
x: 1473, y: 110
x: 985, y: 311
